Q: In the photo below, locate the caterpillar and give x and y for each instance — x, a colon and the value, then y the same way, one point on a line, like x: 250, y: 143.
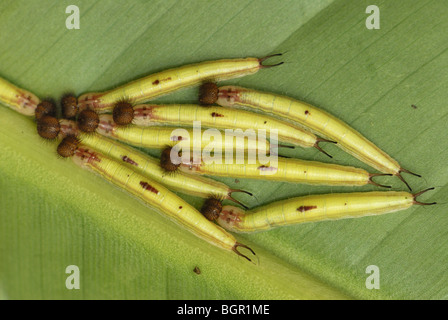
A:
x: 213, y: 117
x: 318, y: 121
x: 18, y: 99
x: 286, y: 170
x: 167, y: 81
x: 146, y: 165
x: 158, y: 137
x: 152, y: 194
x: 311, y: 208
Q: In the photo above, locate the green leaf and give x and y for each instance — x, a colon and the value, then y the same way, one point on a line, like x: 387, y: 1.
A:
x: 53, y: 214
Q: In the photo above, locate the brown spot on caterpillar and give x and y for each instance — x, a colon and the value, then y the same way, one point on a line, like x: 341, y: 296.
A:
x: 148, y: 187
x: 215, y: 114
x: 266, y: 168
x: 107, y: 126
x: 129, y: 160
x: 230, y: 216
x: 180, y: 207
x: 22, y: 99
x: 157, y: 81
x: 307, y: 112
x: 177, y: 138
x: 90, y: 155
x: 305, y: 208
x: 265, y: 122
x: 143, y: 112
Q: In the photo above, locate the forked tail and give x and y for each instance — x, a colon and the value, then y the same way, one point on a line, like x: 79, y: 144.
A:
x: 235, y: 249
x: 376, y: 175
x: 398, y: 174
x: 422, y: 203
x: 271, y: 65
x: 236, y: 201
x: 316, y: 145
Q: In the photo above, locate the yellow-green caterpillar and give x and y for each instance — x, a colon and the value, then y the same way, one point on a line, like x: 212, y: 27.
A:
x: 316, y: 208
x: 150, y: 167
x: 156, y: 196
x: 318, y: 121
x: 18, y: 99
x: 167, y: 81
x: 222, y: 118
x: 284, y: 169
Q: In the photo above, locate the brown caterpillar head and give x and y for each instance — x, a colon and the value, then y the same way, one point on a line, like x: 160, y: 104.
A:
x: 165, y: 161
x: 68, y: 146
x: 45, y: 108
x: 48, y: 127
x: 69, y: 105
x: 208, y: 93
x: 123, y: 113
x: 88, y: 120
x: 212, y: 208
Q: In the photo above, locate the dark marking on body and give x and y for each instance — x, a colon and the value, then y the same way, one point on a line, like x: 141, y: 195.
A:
x: 147, y: 186
x: 306, y: 208
x: 177, y: 138
x: 215, y: 114
x: 157, y: 81
x: 307, y: 112
x: 107, y: 126
x: 143, y: 112
x: 129, y: 160
x: 266, y: 168
x: 91, y: 156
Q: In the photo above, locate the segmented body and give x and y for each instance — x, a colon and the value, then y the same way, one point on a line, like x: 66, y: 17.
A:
x: 163, y: 136
x: 313, y: 208
x: 320, y: 122
x: 221, y: 118
x: 150, y: 167
x: 18, y: 99
x: 155, y: 195
x: 286, y: 169
x: 167, y: 81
